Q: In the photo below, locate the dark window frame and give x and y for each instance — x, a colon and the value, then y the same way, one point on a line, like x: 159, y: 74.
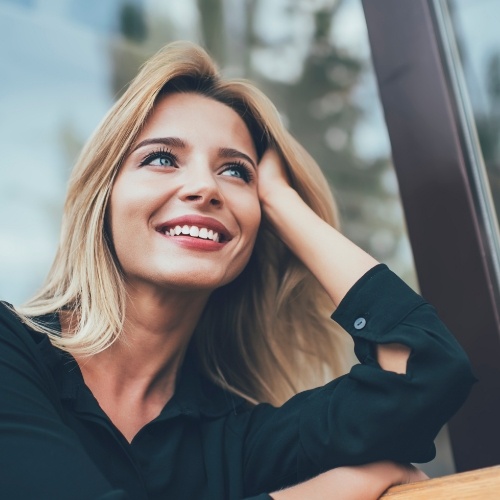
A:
x: 448, y: 214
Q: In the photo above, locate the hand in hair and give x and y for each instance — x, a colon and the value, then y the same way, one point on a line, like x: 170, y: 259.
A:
x: 272, y: 177
x: 335, y: 261
x: 363, y: 482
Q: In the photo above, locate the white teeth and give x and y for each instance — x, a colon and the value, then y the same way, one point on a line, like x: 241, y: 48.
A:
x: 195, y: 232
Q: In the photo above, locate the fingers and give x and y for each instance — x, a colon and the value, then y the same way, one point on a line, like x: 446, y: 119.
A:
x: 415, y: 475
x: 272, y: 175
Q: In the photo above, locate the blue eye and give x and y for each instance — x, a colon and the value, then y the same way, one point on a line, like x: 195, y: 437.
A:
x: 239, y: 171
x: 162, y: 161
x: 161, y: 158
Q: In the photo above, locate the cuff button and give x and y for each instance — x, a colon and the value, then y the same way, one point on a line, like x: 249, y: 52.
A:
x: 360, y: 323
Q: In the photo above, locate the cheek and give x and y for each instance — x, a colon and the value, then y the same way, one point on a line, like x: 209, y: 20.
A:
x: 252, y: 217
x: 129, y: 201
x: 250, y: 206
x: 123, y: 220
x: 250, y: 226
x: 117, y: 214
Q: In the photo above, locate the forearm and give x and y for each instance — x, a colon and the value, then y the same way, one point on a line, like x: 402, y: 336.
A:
x: 335, y: 261
x: 365, y: 482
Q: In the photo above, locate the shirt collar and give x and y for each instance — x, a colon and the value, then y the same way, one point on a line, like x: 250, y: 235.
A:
x: 195, y: 395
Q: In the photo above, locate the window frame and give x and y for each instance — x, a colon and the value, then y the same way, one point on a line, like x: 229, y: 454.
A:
x: 446, y: 200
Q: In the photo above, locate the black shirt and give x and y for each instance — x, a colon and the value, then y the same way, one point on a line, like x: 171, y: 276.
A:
x: 207, y: 444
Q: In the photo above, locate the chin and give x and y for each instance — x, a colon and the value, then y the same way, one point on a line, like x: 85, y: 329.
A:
x: 201, y: 279
x: 185, y: 275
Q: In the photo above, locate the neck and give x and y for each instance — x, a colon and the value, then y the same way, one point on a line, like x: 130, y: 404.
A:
x: 157, y: 330
x: 135, y: 377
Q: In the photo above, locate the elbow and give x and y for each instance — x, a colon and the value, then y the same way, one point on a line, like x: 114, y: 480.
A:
x: 433, y: 396
x: 455, y: 384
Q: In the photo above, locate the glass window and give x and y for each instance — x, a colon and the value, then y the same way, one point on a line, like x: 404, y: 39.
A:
x: 477, y: 39
x: 65, y: 61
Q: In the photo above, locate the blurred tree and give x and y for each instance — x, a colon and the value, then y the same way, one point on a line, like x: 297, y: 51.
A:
x: 141, y: 34
x: 132, y: 22
x: 322, y: 113
x: 325, y: 116
x: 127, y: 48
x: 213, y: 28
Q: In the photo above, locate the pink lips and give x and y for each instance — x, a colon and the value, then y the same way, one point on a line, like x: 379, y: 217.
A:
x: 199, y: 221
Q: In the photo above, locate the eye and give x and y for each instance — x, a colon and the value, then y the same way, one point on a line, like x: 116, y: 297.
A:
x: 238, y: 170
x: 160, y: 158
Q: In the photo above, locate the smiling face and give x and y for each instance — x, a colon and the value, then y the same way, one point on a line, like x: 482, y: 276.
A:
x: 184, y: 211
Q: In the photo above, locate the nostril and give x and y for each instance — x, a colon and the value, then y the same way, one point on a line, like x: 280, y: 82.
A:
x: 212, y: 199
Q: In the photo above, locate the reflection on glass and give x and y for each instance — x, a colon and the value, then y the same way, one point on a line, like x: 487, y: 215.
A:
x: 478, y: 38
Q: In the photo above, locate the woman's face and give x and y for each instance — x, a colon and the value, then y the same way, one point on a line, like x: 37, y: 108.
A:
x: 184, y: 210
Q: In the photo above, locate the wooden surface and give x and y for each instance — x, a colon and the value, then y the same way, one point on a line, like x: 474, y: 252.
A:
x: 481, y: 484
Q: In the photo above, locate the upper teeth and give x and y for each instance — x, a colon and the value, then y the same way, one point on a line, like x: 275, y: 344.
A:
x: 194, y: 231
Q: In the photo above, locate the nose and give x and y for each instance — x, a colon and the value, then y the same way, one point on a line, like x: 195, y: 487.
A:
x: 200, y: 187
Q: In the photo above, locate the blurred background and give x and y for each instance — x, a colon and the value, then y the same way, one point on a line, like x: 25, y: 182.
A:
x: 64, y: 62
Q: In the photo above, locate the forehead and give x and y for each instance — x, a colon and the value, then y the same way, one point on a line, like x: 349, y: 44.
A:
x: 198, y: 120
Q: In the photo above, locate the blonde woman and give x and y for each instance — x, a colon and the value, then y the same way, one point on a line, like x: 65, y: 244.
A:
x: 189, y: 301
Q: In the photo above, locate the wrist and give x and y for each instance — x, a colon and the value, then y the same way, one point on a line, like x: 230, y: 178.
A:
x: 280, y: 196
x: 363, y: 482
x: 282, y: 208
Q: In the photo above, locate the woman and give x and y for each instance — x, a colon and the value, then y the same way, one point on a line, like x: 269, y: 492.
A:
x: 197, y: 268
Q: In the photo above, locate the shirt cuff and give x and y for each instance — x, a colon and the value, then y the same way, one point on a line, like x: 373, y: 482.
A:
x: 376, y: 303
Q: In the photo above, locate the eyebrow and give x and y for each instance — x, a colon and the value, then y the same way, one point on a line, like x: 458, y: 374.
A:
x: 176, y: 142
x: 234, y: 153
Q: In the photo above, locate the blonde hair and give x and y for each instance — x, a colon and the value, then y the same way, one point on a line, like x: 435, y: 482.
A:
x: 264, y: 336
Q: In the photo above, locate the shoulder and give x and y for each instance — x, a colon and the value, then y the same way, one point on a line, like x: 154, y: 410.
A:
x: 11, y: 323
x: 9, y: 320
x: 20, y: 345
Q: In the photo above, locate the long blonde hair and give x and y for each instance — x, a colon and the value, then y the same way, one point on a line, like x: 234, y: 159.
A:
x: 264, y: 336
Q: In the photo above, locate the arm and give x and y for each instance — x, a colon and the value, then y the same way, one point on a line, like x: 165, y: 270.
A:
x: 389, y: 407
x: 363, y: 482
x: 40, y: 457
x: 337, y: 263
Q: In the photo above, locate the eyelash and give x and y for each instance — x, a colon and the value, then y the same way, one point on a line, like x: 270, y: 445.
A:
x: 245, y: 172
x: 159, y: 153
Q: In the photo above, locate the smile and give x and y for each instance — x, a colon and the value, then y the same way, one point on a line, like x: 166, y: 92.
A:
x: 197, y: 227
x: 193, y: 231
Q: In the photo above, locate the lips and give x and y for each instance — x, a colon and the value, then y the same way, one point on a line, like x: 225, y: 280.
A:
x: 195, y: 226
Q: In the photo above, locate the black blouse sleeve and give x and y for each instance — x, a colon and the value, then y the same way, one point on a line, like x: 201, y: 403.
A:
x: 40, y: 457
x: 369, y: 414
